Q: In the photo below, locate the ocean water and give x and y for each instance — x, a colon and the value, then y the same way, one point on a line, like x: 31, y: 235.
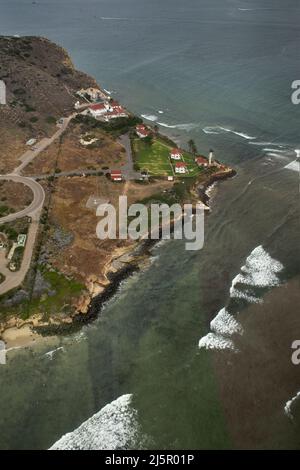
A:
x: 155, y: 370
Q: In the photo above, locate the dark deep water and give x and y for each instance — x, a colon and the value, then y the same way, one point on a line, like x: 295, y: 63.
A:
x: 220, y: 72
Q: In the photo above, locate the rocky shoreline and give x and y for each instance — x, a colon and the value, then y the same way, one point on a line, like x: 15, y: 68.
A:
x: 129, y: 263
x: 119, y: 268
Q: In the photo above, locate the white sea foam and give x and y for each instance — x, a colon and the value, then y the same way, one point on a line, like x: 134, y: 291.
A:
x: 278, y: 150
x: 150, y: 117
x: 294, y: 166
x: 114, y: 427
x: 160, y: 112
x: 260, y: 270
x: 183, y: 127
x: 222, y: 130
x: 289, y: 404
x: 214, y: 341
x: 271, y: 144
x: 107, y: 91
x: 51, y: 354
x: 276, y: 155
x: 225, y: 324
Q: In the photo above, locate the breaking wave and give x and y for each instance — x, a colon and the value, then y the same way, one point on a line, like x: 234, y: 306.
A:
x: 51, y: 354
x: 222, y: 130
x: 288, y: 408
x: 260, y: 271
x: 114, y: 427
x: 183, y: 127
x: 294, y: 166
x: 150, y: 117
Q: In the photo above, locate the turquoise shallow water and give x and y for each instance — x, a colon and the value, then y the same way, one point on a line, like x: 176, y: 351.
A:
x: 221, y: 73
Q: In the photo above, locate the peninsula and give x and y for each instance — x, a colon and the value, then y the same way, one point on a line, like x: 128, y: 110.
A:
x: 66, y: 147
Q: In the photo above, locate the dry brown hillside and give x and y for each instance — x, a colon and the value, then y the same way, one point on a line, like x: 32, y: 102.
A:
x: 41, y: 82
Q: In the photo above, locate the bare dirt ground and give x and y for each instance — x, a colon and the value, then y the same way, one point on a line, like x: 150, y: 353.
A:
x: 256, y: 383
x: 15, y: 196
x: 87, y: 255
x: 70, y: 155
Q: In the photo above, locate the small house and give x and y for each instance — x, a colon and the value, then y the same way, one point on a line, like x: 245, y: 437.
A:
x: 181, y: 168
x: 142, y: 131
x: 176, y: 154
x: 201, y: 161
x: 116, y: 175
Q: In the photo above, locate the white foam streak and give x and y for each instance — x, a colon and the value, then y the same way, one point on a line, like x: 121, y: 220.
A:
x: 183, y: 127
x: 113, y: 427
x: 213, y: 341
x: 289, y: 404
x: 221, y: 130
x: 150, y: 117
x: 225, y: 324
x: 260, y: 270
x: 293, y: 166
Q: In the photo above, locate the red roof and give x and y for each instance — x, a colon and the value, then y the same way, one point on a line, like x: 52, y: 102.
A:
x: 116, y: 173
x: 118, y: 110
x: 176, y: 152
x: 96, y: 107
x: 114, y: 103
x: 201, y: 159
x: 141, y: 129
x: 180, y: 164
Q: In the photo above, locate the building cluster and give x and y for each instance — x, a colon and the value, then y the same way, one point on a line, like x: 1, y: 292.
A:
x: 107, y: 110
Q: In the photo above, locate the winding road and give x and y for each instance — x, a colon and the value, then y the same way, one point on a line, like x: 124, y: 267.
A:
x: 14, y: 279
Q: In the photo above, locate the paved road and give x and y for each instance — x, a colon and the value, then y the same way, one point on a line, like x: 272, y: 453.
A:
x: 128, y: 170
x: 14, y: 279
x: 28, y: 156
x: 36, y: 204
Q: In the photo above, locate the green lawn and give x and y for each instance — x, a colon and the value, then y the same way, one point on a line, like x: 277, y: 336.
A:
x: 156, y: 159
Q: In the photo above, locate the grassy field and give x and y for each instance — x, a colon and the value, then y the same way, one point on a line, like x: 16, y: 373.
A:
x: 156, y: 159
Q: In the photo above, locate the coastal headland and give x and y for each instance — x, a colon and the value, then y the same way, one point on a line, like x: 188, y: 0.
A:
x: 73, y: 147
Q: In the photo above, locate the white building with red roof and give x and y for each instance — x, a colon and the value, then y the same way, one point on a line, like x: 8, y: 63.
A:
x: 116, y: 112
x: 181, y: 167
x: 201, y: 161
x: 116, y: 175
x: 142, y: 131
x: 176, y: 154
x: 98, y: 109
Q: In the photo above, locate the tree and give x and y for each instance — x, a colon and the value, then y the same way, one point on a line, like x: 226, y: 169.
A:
x: 192, y: 146
x: 148, y: 140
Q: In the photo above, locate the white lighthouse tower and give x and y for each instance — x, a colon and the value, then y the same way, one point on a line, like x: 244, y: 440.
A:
x: 211, y: 157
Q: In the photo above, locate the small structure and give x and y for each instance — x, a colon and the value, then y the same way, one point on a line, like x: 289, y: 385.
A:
x: 116, y: 175
x: 170, y: 178
x: 21, y: 242
x: 201, y: 161
x: 142, y: 131
x: 211, y: 157
x: 31, y: 142
x: 181, y: 168
x: 115, y: 113
x: 93, y: 94
x: 176, y: 154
